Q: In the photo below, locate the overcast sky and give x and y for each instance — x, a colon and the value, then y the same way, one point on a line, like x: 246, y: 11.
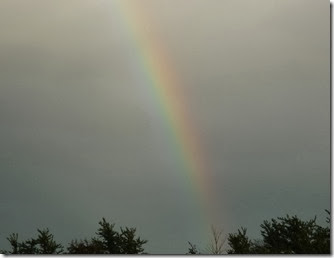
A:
x: 79, y: 139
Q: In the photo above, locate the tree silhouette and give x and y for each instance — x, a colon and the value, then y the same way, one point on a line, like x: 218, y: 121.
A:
x: 43, y: 244
x: 239, y: 242
x: 284, y: 235
x: 192, y: 249
x: 109, y: 241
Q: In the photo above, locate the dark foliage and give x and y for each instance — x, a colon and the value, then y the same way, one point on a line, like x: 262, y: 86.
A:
x: 109, y: 241
x: 284, y: 235
x: 239, y: 242
x: 43, y: 244
x: 192, y: 249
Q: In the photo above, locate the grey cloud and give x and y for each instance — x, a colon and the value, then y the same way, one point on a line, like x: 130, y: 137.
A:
x: 82, y: 135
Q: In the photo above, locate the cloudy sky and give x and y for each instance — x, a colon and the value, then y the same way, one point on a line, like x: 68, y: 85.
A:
x: 82, y: 135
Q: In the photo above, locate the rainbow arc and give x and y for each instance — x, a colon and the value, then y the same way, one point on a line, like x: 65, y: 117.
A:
x: 166, y: 86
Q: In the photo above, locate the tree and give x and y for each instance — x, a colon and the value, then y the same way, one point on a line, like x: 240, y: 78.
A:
x: 290, y: 235
x: 192, y: 249
x: 284, y: 235
x: 109, y: 241
x: 239, y: 242
x: 216, y: 246
x: 93, y: 246
x: 43, y: 244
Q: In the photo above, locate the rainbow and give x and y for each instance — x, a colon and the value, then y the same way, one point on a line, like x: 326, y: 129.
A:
x: 166, y: 87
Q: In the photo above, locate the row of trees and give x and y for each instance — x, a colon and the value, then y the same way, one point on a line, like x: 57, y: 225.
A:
x: 284, y: 235
x: 107, y: 241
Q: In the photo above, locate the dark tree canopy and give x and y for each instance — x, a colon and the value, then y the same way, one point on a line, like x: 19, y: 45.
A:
x: 109, y: 241
x: 43, y: 244
x: 239, y: 242
x: 284, y: 235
